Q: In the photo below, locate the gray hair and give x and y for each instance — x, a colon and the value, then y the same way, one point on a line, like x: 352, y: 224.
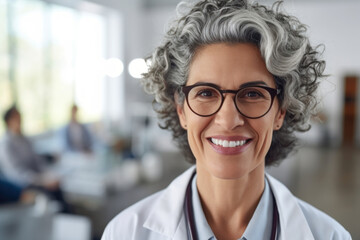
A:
x: 281, y: 39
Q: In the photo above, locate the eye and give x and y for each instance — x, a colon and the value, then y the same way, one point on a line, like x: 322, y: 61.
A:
x: 252, y: 94
x: 205, y: 92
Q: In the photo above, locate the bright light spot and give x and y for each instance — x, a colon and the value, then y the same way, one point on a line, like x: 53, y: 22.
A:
x: 113, y: 67
x: 137, y: 67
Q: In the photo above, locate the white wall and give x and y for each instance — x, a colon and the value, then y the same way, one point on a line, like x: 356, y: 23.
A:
x: 333, y: 23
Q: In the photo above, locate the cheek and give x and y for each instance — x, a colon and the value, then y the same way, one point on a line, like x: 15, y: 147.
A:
x: 196, y: 127
x: 264, y: 131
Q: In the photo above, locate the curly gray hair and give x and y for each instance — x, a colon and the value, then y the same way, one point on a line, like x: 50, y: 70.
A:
x: 281, y: 39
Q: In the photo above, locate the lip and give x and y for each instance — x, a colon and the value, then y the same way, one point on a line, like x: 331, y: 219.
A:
x: 230, y: 150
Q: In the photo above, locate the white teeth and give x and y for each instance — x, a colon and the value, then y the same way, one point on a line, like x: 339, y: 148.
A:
x: 226, y: 143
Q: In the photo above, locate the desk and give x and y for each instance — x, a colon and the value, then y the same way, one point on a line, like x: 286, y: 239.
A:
x: 87, y: 179
x: 34, y: 222
x: 102, y: 187
x: 71, y: 227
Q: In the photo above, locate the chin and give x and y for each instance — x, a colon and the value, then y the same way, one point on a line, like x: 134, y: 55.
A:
x: 228, y: 172
x: 233, y: 169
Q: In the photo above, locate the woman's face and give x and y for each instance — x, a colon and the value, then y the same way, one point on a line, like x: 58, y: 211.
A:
x: 230, y: 66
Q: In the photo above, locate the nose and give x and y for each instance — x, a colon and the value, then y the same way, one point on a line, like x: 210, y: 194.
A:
x: 228, y: 117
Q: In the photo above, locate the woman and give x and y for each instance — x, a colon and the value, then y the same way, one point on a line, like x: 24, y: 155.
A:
x: 233, y: 81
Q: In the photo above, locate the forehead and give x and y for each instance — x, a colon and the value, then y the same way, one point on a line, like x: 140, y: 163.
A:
x: 229, y: 65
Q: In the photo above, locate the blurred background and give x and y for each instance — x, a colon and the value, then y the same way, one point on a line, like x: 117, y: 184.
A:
x: 71, y: 63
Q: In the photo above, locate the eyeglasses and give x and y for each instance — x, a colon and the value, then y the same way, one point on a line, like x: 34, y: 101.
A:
x: 206, y: 99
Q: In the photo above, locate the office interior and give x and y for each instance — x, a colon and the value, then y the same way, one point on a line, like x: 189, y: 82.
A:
x: 56, y: 53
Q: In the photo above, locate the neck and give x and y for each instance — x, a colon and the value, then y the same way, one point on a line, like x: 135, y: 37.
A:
x: 229, y: 204
x: 14, y: 131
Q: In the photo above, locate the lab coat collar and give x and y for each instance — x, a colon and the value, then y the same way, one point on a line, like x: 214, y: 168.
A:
x: 291, y: 217
x: 166, y: 216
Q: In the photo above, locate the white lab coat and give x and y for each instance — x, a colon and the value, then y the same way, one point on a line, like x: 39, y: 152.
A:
x: 161, y: 216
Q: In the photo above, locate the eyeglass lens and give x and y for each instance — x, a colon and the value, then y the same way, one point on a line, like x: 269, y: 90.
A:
x: 252, y: 102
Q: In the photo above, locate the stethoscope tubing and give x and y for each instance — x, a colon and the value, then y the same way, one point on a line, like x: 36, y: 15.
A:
x: 190, y: 221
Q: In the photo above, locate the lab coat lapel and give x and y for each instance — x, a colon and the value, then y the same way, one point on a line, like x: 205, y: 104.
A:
x: 166, y: 216
x: 181, y: 232
x: 293, y: 224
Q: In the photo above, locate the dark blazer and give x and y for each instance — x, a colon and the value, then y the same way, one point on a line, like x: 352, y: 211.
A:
x: 86, y: 139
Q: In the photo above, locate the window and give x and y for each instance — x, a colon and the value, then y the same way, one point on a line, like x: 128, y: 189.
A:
x: 30, y: 68
x: 50, y: 57
x: 6, y: 96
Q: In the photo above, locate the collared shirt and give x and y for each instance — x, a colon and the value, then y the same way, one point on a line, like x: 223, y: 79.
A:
x: 259, y: 226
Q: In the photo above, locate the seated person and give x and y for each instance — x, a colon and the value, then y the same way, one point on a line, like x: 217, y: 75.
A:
x: 77, y: 138
x: 21, y: 165
x: 14, y: 193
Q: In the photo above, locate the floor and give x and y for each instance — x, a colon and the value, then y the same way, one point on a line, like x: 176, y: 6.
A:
x: 328, y: 178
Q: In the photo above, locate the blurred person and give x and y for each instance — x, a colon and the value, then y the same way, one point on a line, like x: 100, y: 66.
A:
x: 76, y: 136
x: 11, y: 192
x: 21, y: 165
x: 141, y: 138
x: 234, y: 81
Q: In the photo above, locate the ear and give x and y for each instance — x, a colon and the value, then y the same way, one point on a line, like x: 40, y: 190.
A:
x: 279, y: 119
x: 180, y: 112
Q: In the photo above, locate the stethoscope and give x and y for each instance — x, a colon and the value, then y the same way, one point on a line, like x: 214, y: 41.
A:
x: 190, y: 221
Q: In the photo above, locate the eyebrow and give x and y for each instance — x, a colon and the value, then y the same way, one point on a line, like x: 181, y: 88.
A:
x: 254, y: 83
x: 247, y: 84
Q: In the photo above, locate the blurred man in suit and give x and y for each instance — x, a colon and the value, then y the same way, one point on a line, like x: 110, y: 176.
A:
x: 77, y: 137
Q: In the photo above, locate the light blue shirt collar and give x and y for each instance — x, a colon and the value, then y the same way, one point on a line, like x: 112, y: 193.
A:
x: 259, y: 226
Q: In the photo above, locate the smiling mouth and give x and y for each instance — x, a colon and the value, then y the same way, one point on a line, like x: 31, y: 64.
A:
x: 228, y: 144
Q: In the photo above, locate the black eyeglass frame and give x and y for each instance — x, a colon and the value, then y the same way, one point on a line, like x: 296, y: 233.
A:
x: 186, y: 89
